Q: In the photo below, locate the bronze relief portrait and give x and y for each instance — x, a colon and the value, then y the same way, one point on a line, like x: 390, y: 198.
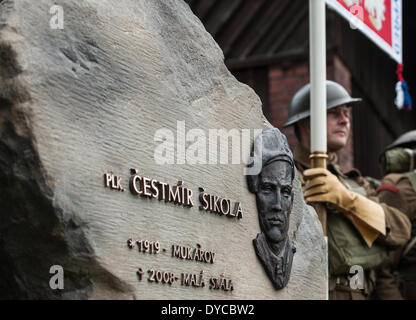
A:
x: 273, y: 187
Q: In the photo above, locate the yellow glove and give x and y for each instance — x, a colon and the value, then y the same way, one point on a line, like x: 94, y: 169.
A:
x: 366, y: 215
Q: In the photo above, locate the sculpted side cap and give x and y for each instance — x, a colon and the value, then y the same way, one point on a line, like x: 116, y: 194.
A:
x: 269, y: 146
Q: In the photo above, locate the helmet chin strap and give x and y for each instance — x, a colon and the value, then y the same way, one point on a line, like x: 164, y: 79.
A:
x: 333, y: 150
x: 331, y: 156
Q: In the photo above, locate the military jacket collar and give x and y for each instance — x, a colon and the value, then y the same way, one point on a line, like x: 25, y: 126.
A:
x: 277, y: 266
x: 301, y: 155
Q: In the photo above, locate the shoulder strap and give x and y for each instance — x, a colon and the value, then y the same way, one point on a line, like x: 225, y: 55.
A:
x: 393, y: 178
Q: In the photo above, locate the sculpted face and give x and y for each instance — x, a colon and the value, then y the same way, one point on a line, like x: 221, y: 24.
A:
x: 338, y: 127
x: 275, y: 199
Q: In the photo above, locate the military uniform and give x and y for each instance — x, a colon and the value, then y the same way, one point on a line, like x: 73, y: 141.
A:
x: 359, y: 227
x: 345, y: 245
x: 397, y: 279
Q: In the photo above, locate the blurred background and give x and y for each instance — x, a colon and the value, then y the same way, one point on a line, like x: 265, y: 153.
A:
x: 266, y: 46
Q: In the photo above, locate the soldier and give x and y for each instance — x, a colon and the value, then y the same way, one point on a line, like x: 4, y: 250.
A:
x: 354, y: 219
x: 397, y: 279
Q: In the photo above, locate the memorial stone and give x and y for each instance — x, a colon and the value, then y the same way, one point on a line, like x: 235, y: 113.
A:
x: 124, y: 145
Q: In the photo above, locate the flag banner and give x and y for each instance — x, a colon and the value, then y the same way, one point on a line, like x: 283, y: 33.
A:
x: 379, y: 20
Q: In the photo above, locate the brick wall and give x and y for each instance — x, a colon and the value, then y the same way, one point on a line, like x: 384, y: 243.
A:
x: 285, y: 79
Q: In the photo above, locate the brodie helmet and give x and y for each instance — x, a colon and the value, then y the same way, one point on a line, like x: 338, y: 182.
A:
x: 406, y: 140
x: 299, y: 108
x: 399, y: 156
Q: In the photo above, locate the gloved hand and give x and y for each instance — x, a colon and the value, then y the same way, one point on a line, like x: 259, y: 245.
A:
x: 366, y: 215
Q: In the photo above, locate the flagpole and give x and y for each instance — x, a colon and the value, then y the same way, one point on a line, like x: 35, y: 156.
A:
x: 317, y: 47
x: 317, y: 42
x: 317, y: 62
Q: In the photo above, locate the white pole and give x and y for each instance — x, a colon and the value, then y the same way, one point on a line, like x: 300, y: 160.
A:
x: 317, y: 43
x: 317, y: 62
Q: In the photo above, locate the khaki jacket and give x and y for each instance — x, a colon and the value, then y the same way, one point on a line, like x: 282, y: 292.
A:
x: 397, y: 191
x: 398, y: 226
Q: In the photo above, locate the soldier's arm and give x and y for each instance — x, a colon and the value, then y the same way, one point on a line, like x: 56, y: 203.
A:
x: 398, y: 227
x: 396, y: 191
x: 396, y: 203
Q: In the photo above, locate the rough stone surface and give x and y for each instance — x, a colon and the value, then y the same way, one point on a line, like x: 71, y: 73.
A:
x: 79, y: 102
